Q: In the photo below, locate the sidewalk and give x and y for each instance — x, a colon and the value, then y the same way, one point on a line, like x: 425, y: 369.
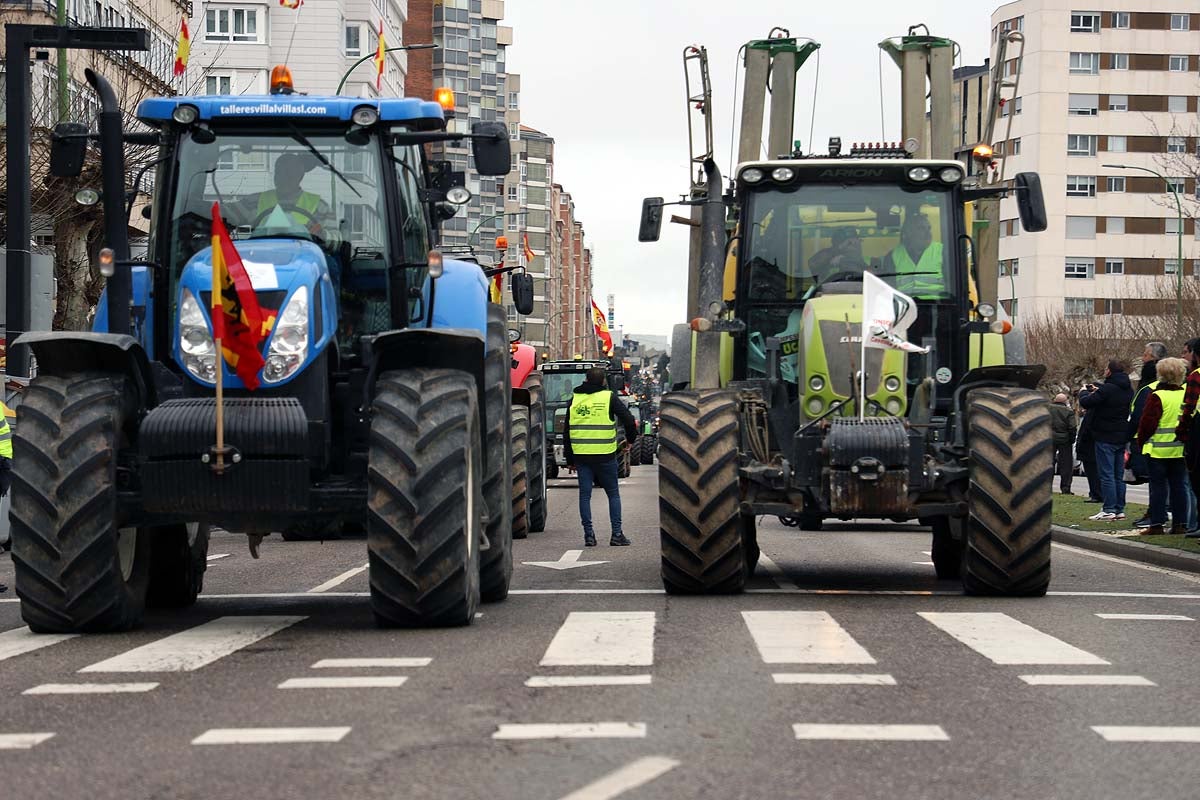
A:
x: 1072, y: 526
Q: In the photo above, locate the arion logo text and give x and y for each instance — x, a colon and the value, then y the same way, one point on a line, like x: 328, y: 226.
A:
x: 274, y: 108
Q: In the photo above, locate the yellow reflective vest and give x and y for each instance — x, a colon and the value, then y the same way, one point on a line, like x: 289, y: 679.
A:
x: 5, y: 433
x: 919, y: 285
x: 306, y: 201
x: 593, y: 430
x: 1163, y: 443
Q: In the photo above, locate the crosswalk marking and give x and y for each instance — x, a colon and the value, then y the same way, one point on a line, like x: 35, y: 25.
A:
x: 625, y: 779
x: 365, y: 663
x: 1087, y: 680
x: 346, y: 682
x: 869, y: 733
x: 22, y: 640
x: 550, y: 681
x: 22, y: 741
x: 572, y: 730
x: 1004, y: 640
x: 271, y: 735
x: 338, y: 580
x: 91, y: 688
x: 1163, y: 617
x: 803, y: 637
x: 195, y: 647
x: 1148, y: 733
x: 603, y: 638
x: 833, y: 679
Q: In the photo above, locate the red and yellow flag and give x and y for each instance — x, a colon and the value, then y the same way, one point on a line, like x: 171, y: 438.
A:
x: 379, y: 59
x: 529, y: 254
x: 496, y: 285
x: 291, y: 3
x: 238, y: 321
x: 183, y: 49
x: 602, y: 333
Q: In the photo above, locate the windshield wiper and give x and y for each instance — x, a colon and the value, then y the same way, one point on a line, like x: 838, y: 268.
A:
x: 302, y: 139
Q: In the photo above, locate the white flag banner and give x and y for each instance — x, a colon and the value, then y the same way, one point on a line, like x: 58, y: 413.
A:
x: 887, y: 313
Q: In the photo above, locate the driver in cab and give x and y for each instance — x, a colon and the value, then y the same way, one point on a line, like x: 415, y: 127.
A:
x: 916, y: 262
x: 303, y: 208
x: 845, y: 254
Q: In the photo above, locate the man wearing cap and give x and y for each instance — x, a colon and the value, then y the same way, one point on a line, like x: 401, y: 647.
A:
x: 843, y: 255
x: 305, y: 209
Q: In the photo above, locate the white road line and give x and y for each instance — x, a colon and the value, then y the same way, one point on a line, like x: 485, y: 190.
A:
x: 627, y: 778
x: 1183, y: 576
x: 776, y: 573
x: 1087, y: 680
x: 91, y: 688
x: 833, y: 679
x: 22, y: 640
x: 603, y: 638
x: 365, y: 663
x: 572, y: 730
x: 1148, y: 733
x: 1004, y: 640
x: 923, y: 563
x: 803, y: 637
x: 22, y: 741
x: 548, y: 681
x: 587, y: 591
x: 217, y: 556
x: 872, y: 733
x: 271, y: 735
x: 346, y: 682
x: 338, y: 580
x: 1161, y: 617
x: 195, y: 647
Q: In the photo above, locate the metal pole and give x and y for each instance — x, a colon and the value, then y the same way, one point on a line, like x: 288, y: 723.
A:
x: 712, y: 263
x: 116, y: 227
x: 783, y: 105
x: 754, y: 103
x: 369, y: 56
x: 17, y: 229
x: 64, y: 77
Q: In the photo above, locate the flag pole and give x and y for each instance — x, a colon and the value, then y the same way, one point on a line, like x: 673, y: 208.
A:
x: 862, y: 360
x: 220, y: 408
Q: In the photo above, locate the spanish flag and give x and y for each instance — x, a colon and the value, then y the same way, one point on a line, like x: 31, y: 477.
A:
x: 183, y: 48
x: 238, y: 322
x: 291, y: 3
x: 496, y: 285
x: 529, y: 254
x: 379, y: 59
x: 602, y: 332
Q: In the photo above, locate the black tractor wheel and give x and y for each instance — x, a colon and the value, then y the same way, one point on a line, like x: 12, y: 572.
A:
x: 537, y: 452
x: 425, y: 498
x: 496, y: 564
x: 649, y: 449
x: 946, y: 552
x: 624, y: 463
x: 178, y: 559
x: 749, y: 525
x: 1007, y: 547
x: 78, y: 568
x: 703, y: 548
x: 520, y: 472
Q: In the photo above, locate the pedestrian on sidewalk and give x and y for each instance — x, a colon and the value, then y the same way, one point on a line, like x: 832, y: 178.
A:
x: 1147, y: 383
x: 1188, y: 430
x: 590, y: 449
x: 1063, y: 424
x: 1085, y: 449
x: 1164, y: 452
x: 1109, y: 406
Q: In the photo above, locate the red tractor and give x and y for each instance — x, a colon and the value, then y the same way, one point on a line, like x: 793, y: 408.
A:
x: 529, y: 452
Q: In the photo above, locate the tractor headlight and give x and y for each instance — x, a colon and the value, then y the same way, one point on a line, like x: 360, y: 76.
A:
x: 289, y: 340
x: 893, y: 407
x: 185, y: 114
x: 366, y: 116
x: 195, y: 340
x: 816, y: 383
x: 892, y: 383
x: 783, y: 174
x: 920, y: 174
x: 815, y: 406
x: 752, y: 175
x: 951, y: 175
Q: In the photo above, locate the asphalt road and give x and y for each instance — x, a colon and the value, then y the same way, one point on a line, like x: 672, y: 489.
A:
x: 848, y: 671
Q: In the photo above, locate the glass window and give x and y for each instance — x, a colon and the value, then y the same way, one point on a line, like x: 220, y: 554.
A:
x: 1114, y: 307
x: 1085, y: 22
x: 1085, y: 63
x: 1079, y: 268
x: 1178, y: 64
x: 1121, y: 20
x: 514, y: 100
x: 1081, y: 227
x: 1176, y: 186
x: 1117, y: 144
x: 1081, y: 186
x: 1079, y: 144
x: 354, y: 40
x: 1177, y: 104
x: 1121, y: 61
x: 1016, y: 147
x: 1116, y: 183
x: 1118, y: 102
x: 231, y: 24
x: 1180, y: 22
x: 1172, y: 225
x: 1114, y: 225
x: 1078, y: 306
x: 1176, y: 144
x: 1114, y: 266
x: 218, y: 84
x: 1083, y: 105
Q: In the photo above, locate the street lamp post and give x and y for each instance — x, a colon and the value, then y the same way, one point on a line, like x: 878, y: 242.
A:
x: 502, y: 214
x: 369, y: 56
x: 1174, y: 188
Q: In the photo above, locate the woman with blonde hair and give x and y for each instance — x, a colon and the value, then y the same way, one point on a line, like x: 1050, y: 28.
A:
x: 1157, y: 441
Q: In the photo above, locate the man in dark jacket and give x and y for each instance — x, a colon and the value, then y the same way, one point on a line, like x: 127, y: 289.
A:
x: 1151, y: 355
x: 1085, y: 450
x: 1108, y: 405
x: 1062, y: 423
x: 590, y: 448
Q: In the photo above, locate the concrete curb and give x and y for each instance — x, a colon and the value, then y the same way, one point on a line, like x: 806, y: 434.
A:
x: 1124, y: 548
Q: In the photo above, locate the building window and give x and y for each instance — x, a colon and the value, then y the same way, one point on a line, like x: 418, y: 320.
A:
x: 1116, y: 144
x: 1121, y: 61
x: 218, y: 84
x: 1016, y: 147
x: 1177, y: 104
x: 1010, y: 267
x: 1179, y: 22
x: 512, y: 191
x: 1114, y: 225
x: 1085, y: 63
x: 1081, y: 186
x: 354, y: 40
x: 1178, y: 64
x: 1121, y: 20
x: 514, y: 100
x: 1176, y: 144
x: 1114, y: 266
x: 514, y: 131
x: 1171, y: 226
x: 231, y: 24
x: 1079, y: 144
x: 1012, y: 68
x: 1171, y: 266
x: 1083, y: 105
x: 1114, y: 307
x: 1176, y: 186
x: 1078, y: 306
x: 1118, y: 102
x: 1079, y: 268
x: 512, y: 223
x: 1116, y: 183
x: 1085, y: 22
x: 1081, y: 227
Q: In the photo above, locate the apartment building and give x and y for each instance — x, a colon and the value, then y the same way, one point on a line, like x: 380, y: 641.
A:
x: 572, y: 331
x: 1107, y: 97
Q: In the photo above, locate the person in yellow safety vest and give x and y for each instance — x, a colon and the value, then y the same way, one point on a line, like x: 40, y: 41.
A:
x: 6, y: 454
x: 1156, y: 438
x: 590, y: 449
x: 916, y: 262
x: 304, y: 209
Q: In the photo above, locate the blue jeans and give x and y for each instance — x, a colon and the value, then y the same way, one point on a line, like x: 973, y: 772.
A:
x: 1110, y: 463
x: 1193, y: 519
x: 604, y: 475
x: 1168, y: 478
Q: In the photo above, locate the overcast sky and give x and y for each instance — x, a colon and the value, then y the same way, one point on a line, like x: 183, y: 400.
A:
x: 605, y: 79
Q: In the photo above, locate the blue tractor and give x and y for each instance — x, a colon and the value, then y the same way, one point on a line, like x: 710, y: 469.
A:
x: 383, y: 399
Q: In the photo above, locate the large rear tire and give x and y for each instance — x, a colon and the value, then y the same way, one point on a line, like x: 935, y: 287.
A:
x: 178, y: 560
x: 425, y: 498
x: 537, y: 452
x: 703, y: 549
x: 78, y: 568
x: 1007, y: 542
x: 520, y: 472
x: 496, y: 563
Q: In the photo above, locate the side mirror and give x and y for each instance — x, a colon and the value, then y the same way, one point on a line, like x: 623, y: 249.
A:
x: 522, y: 292
x: 514, y: 335
x: 445, y: 211
x: 1031, y: 204
x: 651, y: 226
x: 68, y: 146
x: 491, y: 148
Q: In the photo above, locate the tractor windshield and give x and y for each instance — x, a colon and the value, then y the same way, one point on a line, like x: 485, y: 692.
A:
x: 559, y: 388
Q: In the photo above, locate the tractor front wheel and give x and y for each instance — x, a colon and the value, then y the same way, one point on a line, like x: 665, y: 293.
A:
x: 537, y: 452
x: 520, y: 472
x: 178, y: 560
